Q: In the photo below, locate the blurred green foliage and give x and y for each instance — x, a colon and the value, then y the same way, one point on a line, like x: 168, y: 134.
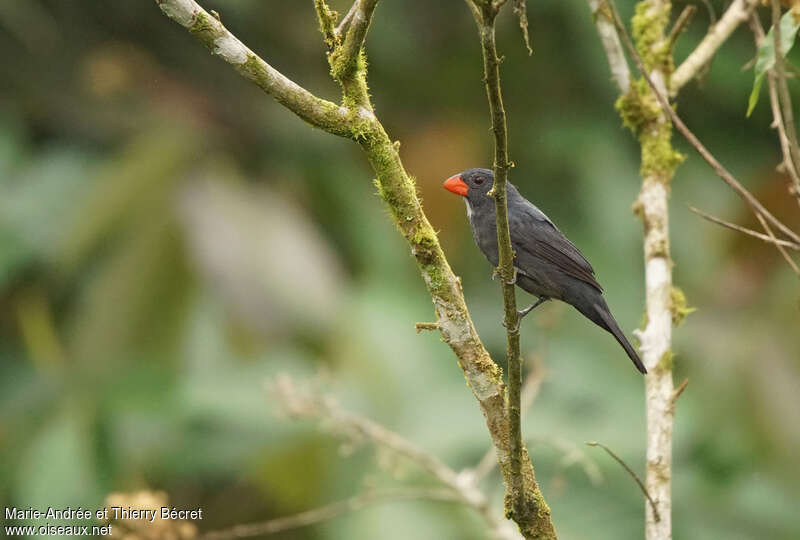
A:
x: 170, y: 238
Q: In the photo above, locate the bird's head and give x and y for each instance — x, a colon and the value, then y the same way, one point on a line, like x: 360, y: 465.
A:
x: 474, y: 184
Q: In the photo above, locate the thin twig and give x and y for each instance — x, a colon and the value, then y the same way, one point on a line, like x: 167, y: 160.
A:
x: 721, y: 171
x: 420, y: 326
x: 785, y: 100
x: 749, y: 232
x: 533, y: 383
x: 678, y: 391
x: 712, y: 16
x: 330, y: 511
x: 302, y: 403
x: 486, y: 465
x: 521, y: 11
x: 505, y: 268
x: 736, y: 14
x: 680, y: 25
x: 777, y: 245
x: 633, y: 475
x: 777, y: 117
x: 783, y: 138
x: 572, y: 454
x: 311, y: 403
x: 347, y: 18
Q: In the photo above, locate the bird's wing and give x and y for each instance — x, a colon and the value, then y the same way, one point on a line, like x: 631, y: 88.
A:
x: 534, y: 237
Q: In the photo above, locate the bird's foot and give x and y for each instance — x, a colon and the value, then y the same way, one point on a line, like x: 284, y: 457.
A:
x: 516, y: 326
x: 513, y: 276
x: 496, y: 274
x: 522, y: 313
x: 539, y: 302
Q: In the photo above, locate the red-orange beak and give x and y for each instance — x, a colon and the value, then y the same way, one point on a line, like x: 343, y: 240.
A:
x: 456, y: 185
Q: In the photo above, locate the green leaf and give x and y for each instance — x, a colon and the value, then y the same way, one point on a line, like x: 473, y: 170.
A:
x: 766, y: 55
x: 753, y: 100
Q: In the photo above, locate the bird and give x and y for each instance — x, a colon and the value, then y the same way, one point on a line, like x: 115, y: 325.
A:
x: 547, y: 264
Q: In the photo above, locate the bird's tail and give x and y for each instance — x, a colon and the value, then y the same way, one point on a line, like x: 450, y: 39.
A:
x: 597, y: 310
x: 612, y: 326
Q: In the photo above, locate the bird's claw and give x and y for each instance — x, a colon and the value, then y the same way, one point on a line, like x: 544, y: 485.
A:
x: 516, y: 326
x: 513, y: 276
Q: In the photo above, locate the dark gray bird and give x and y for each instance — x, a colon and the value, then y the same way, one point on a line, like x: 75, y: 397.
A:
x: 548, y: 265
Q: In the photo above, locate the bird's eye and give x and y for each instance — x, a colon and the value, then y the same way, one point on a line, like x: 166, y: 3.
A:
x: 480, y: 180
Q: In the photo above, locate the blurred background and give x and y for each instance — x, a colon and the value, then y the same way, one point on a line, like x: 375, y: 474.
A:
x: 170, y: 239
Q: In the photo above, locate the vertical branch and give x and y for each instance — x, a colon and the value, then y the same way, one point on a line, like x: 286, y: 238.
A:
x: 505, y: 267
x: 642, y: 113
x: 524, y: 502
x: 617, y: 63
x: 658, y: 165
x: 659, y: 161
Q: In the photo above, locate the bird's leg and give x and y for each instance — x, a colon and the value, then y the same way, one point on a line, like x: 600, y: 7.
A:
x: 521, y: 314
x: 540, y: 301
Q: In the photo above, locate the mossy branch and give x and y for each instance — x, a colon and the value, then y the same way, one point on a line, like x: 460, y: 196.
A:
x: 609, y: 38
x: 355, y: 119
x: 641, y: 111
x: 524, y: 501
x: 346, y: 57
x: 737, y: 13
x: 755, y: 205
x: 211, y: 33
x: 356, y: 35
x: 327, y: 22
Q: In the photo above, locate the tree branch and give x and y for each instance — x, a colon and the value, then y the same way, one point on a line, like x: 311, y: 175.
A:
x: 521, y: 11
x: 744, y: 230
x: 347, y: 18
x: 345, y: 66
x: 356, y: 120
x: 737, y: 13
x: 327, y: 19
x: 530, y: 390
x: 617, y: 62
x: 211, y: 33
x: 787, y: 150
x: 785, y: 255
x: 524, y: 501
x: 680, y: 25
x: 641, y: 113
x: 631, y: 473
x: 310, y: 403
x: 777, y: 116
x: 721, y: 171
x: 330, y: 511
x: 778, y: 80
